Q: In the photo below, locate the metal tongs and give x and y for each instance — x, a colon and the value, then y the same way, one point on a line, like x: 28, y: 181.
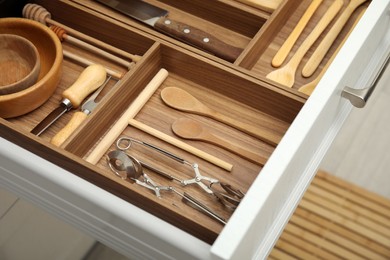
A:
x: 228, y: 196
x: 128, y: 167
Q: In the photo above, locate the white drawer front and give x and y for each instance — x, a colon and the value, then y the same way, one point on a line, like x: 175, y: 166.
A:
x: 259, y: 220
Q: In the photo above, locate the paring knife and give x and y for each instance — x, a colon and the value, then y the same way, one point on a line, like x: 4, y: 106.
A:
x: 78, y: 117
x: 89, y: 80
x: 157, y: 18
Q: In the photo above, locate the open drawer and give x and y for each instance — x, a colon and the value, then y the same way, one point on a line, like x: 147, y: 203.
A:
x: 131, y: 219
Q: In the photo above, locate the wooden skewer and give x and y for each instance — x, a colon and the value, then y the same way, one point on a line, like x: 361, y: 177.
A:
x: 123, y: 121
x: 63, y: 36
x: 40, y: 14
x: 283, y: 52
x: 85, y: 62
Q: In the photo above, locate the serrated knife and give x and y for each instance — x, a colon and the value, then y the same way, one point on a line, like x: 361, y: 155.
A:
x: 158, y: 19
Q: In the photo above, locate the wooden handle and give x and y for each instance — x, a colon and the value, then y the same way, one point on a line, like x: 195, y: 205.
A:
x: 123, y: 121
x: 313, y: 36
x: 89, y: 80
x: 266, y: 136
x: 181, y: 145
x: 283, y: 52
x: 319, y: 54
x: 240, y: 151
x: 199, y: 38
x: 309, y: 87
x: 72, y: 125
x: 267, y: 5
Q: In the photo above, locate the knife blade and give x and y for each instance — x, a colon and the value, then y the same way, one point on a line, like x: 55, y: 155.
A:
x: 78, y: 117
x: 158, y: 19
x: 89, y: 80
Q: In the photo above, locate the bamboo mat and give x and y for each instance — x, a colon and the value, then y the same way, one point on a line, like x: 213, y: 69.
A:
x: 336, y: 220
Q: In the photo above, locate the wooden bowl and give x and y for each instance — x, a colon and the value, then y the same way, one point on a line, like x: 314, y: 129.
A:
x: 20, y: 60
x: 50, y: 54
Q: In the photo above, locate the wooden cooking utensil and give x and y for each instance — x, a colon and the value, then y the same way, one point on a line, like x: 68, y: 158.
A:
x: 284, y: 50
x: 267, y: 5
x: 286, y: 74
x: 309, y: 87
x: 184, y: 101
x: 193, y: 130
x: 318, y: 55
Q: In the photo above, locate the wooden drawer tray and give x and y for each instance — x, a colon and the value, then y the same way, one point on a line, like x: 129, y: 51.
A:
x: 238, y: 89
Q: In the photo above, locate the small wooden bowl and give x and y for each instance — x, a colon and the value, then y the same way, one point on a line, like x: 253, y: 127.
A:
x: 50, y: 54
x: 20, y: 60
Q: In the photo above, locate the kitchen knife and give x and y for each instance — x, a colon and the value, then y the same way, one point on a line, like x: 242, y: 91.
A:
x: 157, y: 18
x: 89, y: 80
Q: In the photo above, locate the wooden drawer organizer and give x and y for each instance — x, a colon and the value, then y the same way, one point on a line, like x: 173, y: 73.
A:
x: 239, y: 89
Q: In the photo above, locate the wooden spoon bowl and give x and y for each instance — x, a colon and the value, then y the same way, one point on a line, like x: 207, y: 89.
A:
x: 19, y: 63
x: 50, y: 54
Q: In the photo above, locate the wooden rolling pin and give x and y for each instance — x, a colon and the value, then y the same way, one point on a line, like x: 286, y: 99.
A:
x: 40, y: 14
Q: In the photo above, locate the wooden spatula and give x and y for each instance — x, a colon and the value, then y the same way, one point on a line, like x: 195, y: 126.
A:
x: 286, y: 74
x: 309, y: 87
x: 184, y: 101
x: 193, y: 130
x: 285, y: 49
x: 315, y: 59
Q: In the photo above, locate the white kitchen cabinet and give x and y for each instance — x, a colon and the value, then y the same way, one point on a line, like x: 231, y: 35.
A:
x: 256, y: 224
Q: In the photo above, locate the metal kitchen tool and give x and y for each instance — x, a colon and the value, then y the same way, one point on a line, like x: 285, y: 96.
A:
x: 228, y: 196
x: 78, y: 117
x: 129, y: 168
x: 286, y: 74
x: 89, y: 80
x: 184, y: 101
x: 157, y: 18
x: 124, y: 143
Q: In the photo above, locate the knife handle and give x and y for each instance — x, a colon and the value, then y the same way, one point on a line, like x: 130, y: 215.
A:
x: 89, y: 80
x: 76, y: 120
x: 198, y: 38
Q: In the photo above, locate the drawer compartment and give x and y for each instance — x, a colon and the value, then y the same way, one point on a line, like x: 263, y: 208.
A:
x: 253, y: 103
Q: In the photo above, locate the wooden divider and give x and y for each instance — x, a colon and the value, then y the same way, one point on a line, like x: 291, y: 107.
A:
x: 336, y: 220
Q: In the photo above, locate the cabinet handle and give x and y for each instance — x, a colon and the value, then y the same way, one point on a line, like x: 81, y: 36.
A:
x: 359, y: 97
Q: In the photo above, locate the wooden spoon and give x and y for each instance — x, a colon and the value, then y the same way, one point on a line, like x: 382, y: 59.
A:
x: 285, y: 49
x: 286, y: 74
x: 184, y: 101
x: 190, y: 129
x: 315, y: 59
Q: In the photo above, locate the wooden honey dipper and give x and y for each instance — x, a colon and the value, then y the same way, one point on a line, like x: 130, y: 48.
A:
x: 40, y: 14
